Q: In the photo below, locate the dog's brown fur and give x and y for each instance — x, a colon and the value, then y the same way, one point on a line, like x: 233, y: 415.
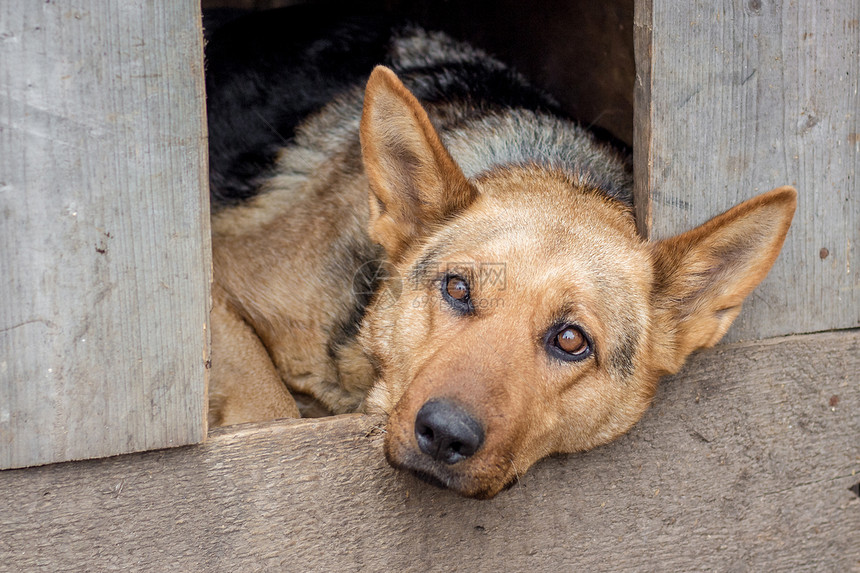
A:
x: 571, y: 255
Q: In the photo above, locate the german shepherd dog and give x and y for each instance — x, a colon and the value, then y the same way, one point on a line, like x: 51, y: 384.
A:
x: 438, y: 244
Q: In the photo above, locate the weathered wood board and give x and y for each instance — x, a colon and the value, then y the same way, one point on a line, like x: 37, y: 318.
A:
x: 104, y: 229
x: 736, y: 97
x: 743, y: 464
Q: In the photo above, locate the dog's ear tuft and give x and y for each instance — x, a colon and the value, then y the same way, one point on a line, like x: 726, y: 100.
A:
x: 702, y: 276
x: 414, y: 182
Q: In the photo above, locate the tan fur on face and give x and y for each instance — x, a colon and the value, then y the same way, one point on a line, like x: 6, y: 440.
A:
x: 495, y: 363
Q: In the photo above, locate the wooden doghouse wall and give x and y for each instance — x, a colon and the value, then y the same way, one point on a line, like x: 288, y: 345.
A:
x: 735, y: 98
x: 748, y: 460
x: 104, y: 227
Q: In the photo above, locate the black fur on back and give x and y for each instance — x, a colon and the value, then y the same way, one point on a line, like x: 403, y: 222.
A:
x: 477, y: 83
x: 265, y: 72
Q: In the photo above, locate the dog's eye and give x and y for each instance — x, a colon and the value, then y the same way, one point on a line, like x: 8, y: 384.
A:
x: 455, y: 290
x: 571, y: 340
x: 569, y: 343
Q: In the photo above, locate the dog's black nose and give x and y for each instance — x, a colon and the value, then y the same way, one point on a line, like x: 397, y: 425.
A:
x: 446, y: 432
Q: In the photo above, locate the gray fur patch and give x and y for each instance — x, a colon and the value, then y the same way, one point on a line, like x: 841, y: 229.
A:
x: 621, y: 357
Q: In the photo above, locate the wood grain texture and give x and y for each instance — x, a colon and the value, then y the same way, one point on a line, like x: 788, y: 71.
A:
x: 743, y: 464
x: 642, y: 88
x: 105, y: 264
x: 747, y: 95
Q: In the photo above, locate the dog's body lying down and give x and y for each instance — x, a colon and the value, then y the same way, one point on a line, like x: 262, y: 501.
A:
x: 442, y: 248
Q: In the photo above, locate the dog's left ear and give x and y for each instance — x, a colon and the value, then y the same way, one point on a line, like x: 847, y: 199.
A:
x: 702, y: 276
x: 414, y: 182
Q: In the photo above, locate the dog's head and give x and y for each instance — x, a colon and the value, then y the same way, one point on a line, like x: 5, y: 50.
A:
x: 529, y: 318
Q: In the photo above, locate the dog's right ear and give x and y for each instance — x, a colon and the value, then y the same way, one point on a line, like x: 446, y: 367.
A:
x: 702, y: 276
x: 414, y: 182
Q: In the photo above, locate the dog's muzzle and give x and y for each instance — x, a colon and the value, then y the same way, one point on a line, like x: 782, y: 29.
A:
x: 446, y: 445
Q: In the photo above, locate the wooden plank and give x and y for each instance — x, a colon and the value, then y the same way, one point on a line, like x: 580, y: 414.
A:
x: 642, y: 90
x: 746, y: 96
x: 744, y: 463
x: 105, y: 263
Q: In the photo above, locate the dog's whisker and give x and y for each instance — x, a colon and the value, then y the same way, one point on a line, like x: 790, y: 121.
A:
x: 516, y: 471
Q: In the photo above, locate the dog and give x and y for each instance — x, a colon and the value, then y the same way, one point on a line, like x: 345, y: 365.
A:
x: 430, y: 239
